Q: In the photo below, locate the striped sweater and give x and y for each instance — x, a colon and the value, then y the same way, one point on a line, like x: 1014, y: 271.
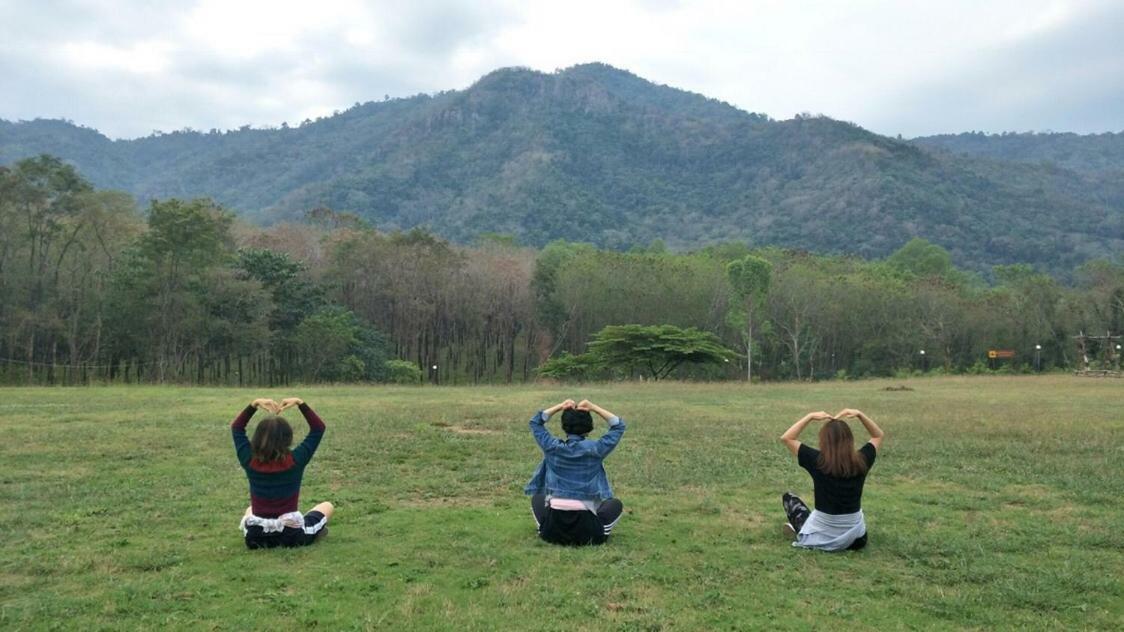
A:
x: 275, y: 488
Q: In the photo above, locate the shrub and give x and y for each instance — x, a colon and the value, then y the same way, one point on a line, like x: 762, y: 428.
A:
x: 979, y: 368
x: 352, y: 369
x: 403, y: 372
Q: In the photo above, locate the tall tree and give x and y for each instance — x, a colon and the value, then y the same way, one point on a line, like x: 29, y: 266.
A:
x: 797, y: 293
x: 44, y: 197
x: 749, y: 277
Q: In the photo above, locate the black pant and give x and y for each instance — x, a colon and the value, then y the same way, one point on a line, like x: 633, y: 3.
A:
x: 575, y: 527
x: 798, y: 512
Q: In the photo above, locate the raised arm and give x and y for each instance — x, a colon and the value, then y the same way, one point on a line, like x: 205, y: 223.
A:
x: 238, y: 426
x: 542, y: 436
x: 789, y: 438
x: 303, y: 453
x: 569, y: 403
x: 610, y: 439
x: 876, y: 433
x: 601, y: 412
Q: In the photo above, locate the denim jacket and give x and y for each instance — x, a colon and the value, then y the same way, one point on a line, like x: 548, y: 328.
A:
x: 572, y: 468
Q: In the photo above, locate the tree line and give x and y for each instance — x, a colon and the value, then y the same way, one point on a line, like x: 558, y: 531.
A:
x: 95, y: 290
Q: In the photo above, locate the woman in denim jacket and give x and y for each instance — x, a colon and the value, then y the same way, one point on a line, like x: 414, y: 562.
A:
x: 571, y: 500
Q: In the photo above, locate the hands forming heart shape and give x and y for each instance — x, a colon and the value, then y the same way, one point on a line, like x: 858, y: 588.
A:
x: 275, y: 408
x: 585, y: 405
x: 843, y: 414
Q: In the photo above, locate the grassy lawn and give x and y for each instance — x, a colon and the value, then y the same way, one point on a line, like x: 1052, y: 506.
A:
x: 995, y: 503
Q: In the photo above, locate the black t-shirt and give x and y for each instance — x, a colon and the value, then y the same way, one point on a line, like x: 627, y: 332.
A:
x: 835, y: 495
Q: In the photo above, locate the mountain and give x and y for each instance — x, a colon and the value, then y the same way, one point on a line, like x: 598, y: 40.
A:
x: 1092, y: 154
x: 597, y: 154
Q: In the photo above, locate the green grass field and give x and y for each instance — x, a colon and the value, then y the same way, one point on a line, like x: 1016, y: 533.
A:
x: 995, y: 503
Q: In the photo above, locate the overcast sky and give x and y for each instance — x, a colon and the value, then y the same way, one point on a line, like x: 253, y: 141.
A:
x: 918, y: 67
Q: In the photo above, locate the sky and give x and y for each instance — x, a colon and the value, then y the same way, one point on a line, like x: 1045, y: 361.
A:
x: 910, y: 67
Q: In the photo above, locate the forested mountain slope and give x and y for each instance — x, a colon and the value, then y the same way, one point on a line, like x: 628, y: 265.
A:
x: 1090, y: 154
x: 597, y: 154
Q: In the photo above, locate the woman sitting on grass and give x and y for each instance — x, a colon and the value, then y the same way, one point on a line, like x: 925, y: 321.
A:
x: 838, y: 473
x: 571, y: 500
x: 275, y: 472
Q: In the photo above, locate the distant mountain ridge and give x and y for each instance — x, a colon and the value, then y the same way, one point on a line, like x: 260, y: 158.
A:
x: 597, y: 154
x: 1088, y: 154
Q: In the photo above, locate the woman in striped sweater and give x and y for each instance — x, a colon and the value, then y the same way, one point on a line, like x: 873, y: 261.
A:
x: 274, y: 471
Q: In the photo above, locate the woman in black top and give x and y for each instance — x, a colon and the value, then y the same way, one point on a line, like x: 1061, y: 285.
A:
x: 838, y: 473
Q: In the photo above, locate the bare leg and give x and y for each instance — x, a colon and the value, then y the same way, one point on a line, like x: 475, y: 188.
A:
x: 325, y: 508
x: 246, y: 516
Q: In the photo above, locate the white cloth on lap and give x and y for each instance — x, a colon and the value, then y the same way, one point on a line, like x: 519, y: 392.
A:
x: 293, y: 520
x: 828, y: 532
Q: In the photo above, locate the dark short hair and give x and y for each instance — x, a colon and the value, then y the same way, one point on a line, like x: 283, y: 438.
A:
x: 578, y: 422
x: 272, y: 439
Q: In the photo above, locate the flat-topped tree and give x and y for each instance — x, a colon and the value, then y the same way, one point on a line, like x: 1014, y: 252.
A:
x: 659, y: 348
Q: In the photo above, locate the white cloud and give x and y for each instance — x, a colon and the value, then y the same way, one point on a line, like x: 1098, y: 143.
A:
x: 141, y: 58
x: 130, y: 67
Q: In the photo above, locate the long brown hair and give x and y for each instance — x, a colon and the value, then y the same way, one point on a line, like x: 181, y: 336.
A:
x: 837, y: 451
x: 272, y: 439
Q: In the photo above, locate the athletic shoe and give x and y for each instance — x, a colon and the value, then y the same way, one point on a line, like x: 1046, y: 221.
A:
x: 788, y: 500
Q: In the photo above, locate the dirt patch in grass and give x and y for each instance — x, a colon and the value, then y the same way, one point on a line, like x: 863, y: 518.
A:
x: 446, y: 501
x: 464, y: 429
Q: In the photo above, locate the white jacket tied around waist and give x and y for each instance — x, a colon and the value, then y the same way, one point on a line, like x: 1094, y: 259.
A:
x: 828, y: 532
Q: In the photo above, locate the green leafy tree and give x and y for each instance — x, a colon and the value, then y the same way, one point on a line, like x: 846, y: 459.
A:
x: 41, y: 206
x: 333, y: 345
x: 1101, y: 285
x: 294, y: 297
x: 550, y: 310
x: 921, y: 258
x: 750, y: 278
x: 570, y: 367
x: 165, y: 292
x: 233, y: 320
x: 185, y: 240
x: 659, y: 348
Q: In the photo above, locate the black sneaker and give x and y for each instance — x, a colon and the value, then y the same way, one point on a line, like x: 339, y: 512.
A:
x: 789, y: 531
x: 788, y: 501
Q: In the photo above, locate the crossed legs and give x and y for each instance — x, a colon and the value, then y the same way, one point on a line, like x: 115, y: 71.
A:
x: 797, y: 512
x: 609, y: 512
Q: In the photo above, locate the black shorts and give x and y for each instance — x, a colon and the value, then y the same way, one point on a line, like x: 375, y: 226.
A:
x: 574, y: 528
x: 315, y: 523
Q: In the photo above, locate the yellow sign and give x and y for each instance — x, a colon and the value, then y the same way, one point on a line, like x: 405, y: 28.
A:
x: 992, y: 354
